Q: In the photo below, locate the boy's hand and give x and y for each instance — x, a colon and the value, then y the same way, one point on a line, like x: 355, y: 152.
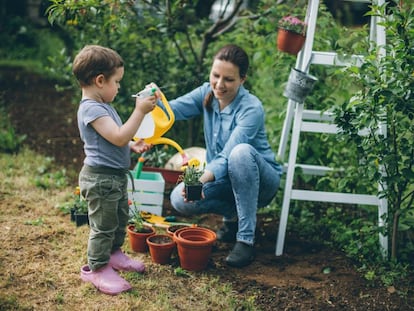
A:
x: 139, y: 146
x: 153, y: 85
x: 146, y: 104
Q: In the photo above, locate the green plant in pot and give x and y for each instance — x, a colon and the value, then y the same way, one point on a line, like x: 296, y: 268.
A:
x: 293, y: 24
x: 191, y: 178
x: 77, y: 207
x: 138, y: 231
x: 291, y: 34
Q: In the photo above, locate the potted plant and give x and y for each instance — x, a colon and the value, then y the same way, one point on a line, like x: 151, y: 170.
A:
x: 79, y: 209
x: 191, y: 175
x: 291, y: 34
x: 155, y: 161
x: 138, y: 232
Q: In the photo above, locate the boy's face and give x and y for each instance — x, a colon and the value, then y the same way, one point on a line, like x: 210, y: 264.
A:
x: 111, y: 86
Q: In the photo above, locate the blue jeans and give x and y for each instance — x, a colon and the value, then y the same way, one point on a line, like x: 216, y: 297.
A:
x: 251, y: 183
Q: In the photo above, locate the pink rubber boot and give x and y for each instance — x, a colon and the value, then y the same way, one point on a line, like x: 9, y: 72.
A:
x: 120, y: 261
x: 105, y: 280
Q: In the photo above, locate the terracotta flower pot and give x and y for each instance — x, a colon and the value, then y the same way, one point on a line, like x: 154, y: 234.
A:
x: 171, y: 229
x: 194, y: 245
x: 138, y: 240
x: 289, y: 42
x: 161, y: 247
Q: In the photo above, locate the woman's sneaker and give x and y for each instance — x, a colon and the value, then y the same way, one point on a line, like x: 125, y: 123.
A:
x: 241, y: 255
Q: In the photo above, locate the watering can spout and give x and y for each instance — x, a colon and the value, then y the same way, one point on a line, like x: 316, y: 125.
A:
x: 163, y: 120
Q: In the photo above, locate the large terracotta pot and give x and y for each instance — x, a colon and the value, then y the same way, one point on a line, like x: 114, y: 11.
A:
x: 138, y: 240
x: 194, y: 245
x: 289, y: 42
x: 161, y: 247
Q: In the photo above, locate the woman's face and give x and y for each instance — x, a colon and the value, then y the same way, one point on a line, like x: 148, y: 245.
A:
x: 225, y: 81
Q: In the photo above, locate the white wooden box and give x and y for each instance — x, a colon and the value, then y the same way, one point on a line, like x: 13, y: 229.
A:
x: 149, y: 192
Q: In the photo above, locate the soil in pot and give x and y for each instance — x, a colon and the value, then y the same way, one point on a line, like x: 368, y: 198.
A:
x: 171, y: 229
x: 161, y: 247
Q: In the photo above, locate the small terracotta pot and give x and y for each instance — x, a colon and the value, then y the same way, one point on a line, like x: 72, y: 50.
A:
x: 171, y: 229
x: 289, y: 42
x: 138, y: 240
x: 161, y: 247
x: 194, y: 245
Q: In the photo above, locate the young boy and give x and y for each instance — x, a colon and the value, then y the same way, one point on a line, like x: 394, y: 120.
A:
x: 103, y: 178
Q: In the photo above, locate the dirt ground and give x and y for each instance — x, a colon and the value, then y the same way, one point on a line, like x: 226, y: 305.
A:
x: 298, y: 280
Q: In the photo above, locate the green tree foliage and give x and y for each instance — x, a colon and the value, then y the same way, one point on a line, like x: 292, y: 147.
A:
x: 384, y: 108
x: 172, y: 43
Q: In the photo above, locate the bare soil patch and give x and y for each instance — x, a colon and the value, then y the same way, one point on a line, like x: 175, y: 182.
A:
x: 294, y: 281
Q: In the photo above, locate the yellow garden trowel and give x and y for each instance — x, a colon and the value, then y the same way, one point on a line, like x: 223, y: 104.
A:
x: 162, y: 222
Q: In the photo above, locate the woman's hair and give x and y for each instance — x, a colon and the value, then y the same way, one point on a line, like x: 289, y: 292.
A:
x: 94, y: 60
x: 235, y: 55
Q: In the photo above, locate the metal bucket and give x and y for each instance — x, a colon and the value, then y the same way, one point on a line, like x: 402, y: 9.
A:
x: 299, y: 85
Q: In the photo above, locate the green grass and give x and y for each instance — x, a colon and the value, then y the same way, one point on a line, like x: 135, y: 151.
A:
x: 53, y: 249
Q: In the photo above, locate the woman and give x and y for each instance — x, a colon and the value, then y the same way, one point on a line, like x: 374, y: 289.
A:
x: 241, y: 172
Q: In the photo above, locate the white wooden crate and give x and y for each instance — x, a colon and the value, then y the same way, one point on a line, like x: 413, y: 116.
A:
x: 149, y: 192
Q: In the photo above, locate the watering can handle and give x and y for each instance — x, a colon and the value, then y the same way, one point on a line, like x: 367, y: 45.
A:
x: 157, y: 138
x: 167, y: 106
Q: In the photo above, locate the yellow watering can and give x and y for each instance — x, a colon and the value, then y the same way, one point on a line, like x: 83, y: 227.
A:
x: 161, y: 122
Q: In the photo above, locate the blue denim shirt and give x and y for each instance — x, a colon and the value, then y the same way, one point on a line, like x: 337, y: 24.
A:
x: 240, y: 122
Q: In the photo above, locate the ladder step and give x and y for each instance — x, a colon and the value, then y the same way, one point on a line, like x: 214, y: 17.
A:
x: 309, y: 169
x: 335, y: 197
x: 315, y: 127
x: 332, y: 59
x: 317, y: 115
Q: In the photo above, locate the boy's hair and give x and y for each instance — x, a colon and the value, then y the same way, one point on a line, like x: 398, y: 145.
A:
x: 94, y: 60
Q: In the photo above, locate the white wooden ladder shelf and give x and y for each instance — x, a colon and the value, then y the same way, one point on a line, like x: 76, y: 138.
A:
x: 317, y: 122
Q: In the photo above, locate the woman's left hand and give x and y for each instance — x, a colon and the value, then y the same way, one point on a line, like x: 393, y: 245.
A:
x: 206, y: 177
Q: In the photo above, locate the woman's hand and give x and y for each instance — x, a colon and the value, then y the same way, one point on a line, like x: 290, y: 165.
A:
x: 139, y: 146
x: 206, y: 177
x: 157, y: 92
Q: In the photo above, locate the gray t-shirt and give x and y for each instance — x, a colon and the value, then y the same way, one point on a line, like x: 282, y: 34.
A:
x: 99, y: 151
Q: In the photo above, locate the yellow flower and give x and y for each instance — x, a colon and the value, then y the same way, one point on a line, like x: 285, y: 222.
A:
x: 193, y: 162
x: 192, y: 172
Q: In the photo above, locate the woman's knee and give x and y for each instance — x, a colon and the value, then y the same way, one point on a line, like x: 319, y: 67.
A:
x: 177, y: 201
x: 240, y: 154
